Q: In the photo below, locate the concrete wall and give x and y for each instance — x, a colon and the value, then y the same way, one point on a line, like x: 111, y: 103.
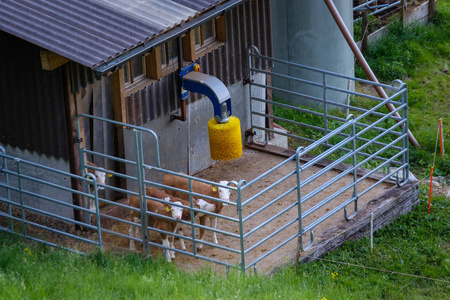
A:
x: 38, y: 188
x: 304, y: 32
x: 184, y: 146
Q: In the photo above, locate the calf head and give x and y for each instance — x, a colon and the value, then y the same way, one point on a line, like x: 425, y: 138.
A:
x: 100, y: 176
x: 224, y: 194
x: 176, y: 211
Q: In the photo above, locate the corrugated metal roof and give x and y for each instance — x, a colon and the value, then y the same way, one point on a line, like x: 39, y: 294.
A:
x: 92, y: 32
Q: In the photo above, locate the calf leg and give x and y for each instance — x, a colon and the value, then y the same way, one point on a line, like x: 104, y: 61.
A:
x: 213, y: 221
x: 180, y: 232
x: 202, y: 231
x: 166, y: 243
x: 133, y: 232
x: 172, y: 238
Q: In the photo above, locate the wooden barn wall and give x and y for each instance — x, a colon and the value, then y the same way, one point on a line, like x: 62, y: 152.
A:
x: 248, y: 24
x: 31, y: 100
x: 32, y: 113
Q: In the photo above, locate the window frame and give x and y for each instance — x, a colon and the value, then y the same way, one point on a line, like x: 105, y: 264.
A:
x: 152, y: 64
x: 191, y: 51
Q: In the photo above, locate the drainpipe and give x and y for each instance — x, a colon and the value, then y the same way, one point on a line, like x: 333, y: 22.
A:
x: 362, y: 61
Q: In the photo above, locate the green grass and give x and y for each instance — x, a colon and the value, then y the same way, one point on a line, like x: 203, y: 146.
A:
x: 419, y: 55
x: 417, y: 244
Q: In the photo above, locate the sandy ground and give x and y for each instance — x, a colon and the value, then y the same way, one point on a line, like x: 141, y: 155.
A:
x: 251, y: 165
x: 259, y: 222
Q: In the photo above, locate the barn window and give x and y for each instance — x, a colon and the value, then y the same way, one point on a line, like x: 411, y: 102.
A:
x: 205, y: 34
x: 134, y: 70
x: 136, y: 74
x: 163, y: 60
x: 204, y: 39
x: 169, y: 57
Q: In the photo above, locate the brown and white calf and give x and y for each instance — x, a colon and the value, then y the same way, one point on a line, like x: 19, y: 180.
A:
x: 204, y: 189
x: 100, y: 177
x: 186, y: 214
x: 156, y: 207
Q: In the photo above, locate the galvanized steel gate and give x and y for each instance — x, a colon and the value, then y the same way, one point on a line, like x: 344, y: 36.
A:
x: 366, y: 136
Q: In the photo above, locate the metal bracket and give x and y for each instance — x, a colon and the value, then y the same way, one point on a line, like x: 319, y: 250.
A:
x: 77, y: 140
x: 209, y: 86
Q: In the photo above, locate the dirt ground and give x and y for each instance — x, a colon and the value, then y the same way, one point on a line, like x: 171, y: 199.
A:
x: 251, y: 165
x: 259, y: 223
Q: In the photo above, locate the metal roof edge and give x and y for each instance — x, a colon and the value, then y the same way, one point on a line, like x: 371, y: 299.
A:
x: 181, y: 29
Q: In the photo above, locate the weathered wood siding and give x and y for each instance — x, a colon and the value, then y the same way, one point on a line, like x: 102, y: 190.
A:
x: 248, y: 24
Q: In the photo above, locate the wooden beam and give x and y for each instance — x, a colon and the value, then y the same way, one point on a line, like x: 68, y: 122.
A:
x: 119, y: 106
x: 431, y: 9
x: 189, y: 46
x: 153, y: 64
x: 50, y: 60
x: 74, y: 157
x: 221, y: 32
x: 79, y: 109
x: 120, y: 115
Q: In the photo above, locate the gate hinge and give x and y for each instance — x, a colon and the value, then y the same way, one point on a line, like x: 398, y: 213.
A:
x: 77, y: 140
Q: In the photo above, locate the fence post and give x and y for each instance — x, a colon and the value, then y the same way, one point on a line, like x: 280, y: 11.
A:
x: 142, y: 193
x: 299, y: 204
x: 405, y: 155
x: 365, y: 29
x: 402, y: 10
x: 241, y: 226
x: 72, y: 138
x: 431, y: 9
x: 4, y: 166
x: 22, y: 203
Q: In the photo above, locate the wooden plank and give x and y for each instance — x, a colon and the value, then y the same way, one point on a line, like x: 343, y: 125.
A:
x: 221, y: 32
x: 269, y: 106
x: 189, y: 46
x: 79, y: 105
x: 431, y: 10
x: 120, y: 115
x: 50, y: 60
x: 153, y: 64
x: 119, y: 105
x: 386, y: 208
x: 74, y: 158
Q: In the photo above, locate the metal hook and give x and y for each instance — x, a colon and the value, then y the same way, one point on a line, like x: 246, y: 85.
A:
x: 348, y: 218
x: 311, y: 241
